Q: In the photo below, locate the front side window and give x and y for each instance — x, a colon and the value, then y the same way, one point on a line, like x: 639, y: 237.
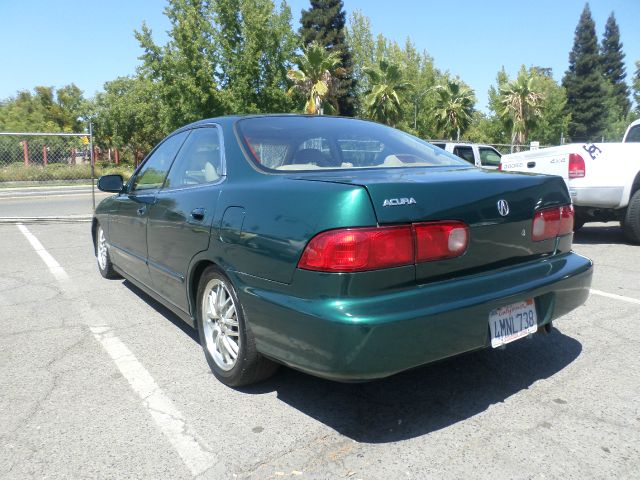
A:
x: 154, y: 170
x: 199, y: 160
x: 308, y: 143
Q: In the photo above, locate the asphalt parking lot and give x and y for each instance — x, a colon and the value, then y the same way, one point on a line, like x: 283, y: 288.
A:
x: 99, y: 381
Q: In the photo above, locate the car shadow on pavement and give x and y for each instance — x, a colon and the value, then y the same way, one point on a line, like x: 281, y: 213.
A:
x: 610, y: 233
x: 427, y: 399
x: 164, y: 311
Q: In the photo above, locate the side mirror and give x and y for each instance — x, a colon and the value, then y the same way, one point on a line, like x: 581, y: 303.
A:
x: 110, y: 183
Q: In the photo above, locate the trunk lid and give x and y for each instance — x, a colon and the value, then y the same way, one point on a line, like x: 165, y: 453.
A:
x: 470, y: 195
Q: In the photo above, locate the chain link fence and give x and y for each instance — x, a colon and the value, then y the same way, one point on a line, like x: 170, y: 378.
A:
x: 55, y: 158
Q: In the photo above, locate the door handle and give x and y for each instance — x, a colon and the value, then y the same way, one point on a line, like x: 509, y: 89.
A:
x: 198, y: 213
x: 531, y: 164
x: 142, y: 210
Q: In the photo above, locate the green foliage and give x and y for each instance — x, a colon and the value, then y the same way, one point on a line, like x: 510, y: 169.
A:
x: 383, y: 101
x: 315, y: 78
x: 324, y: 23
x: 636, y: 87
x: 584, y: 83
x: 256, y: 47
x: 612, y: 61
x: 550, y: 120
x: 44, y: 110
x: 520, y: 101
x: 184, y: 69
x: 553, y: 121
x: 130, y: 115
x: 417, y: 102
x: 18, y: 172
x: 454, y: 108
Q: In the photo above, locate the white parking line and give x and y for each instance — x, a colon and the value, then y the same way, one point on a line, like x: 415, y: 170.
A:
x: 166, y: 415
x: 194, y: 453
x: 616, y: 297
x: 54, y: 267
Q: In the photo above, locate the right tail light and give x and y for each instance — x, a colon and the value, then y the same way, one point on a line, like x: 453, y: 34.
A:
x: 552, y: 222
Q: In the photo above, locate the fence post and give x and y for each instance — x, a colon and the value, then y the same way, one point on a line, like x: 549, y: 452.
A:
x: 44, y: 155
x: 116, y: 156
x: 25, y: 151
x: 93, y: 171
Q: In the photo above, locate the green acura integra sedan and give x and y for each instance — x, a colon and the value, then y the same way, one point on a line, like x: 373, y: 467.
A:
x: 339, y: 247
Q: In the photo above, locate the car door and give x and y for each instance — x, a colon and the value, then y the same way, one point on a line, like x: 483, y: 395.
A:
x: 179, y: 224
x: 128, y: 223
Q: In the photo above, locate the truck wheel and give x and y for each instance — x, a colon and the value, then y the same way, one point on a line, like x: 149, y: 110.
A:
x: 631, y: 223
x: 578, y: 224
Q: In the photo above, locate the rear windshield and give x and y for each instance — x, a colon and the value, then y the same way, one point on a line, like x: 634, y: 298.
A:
x: 307, y: 143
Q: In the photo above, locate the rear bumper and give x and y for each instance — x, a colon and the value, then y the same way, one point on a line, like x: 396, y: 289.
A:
x: 352, y: 339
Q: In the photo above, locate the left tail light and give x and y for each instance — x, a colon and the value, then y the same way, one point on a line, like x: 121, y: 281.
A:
x: 552, y: 222
x: 372, y: 248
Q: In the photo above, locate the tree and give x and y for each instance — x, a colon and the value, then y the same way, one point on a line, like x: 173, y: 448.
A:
x: 129, y: 115
x: 383, y: 100
x: 256, y: 45
x: 324, y: 23
x: 521, y: 103
x: 612, y: 61
x: 636, y: 87
x: 553, y: 122
x: 454, y: 108
x: 184, y: 70
x: 584, y: 83
x: 316, y: 78
x: 45, y: 110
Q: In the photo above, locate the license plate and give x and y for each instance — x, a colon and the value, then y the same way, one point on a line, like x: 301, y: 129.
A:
x: 511, y: 322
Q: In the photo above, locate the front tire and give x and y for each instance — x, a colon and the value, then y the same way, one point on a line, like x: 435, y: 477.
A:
x: 631, y: 224
x: 102, y: 254
x: 228, y: 343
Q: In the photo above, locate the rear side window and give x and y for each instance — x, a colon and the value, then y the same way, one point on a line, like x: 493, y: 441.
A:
x: 199, y: 160
x: 307, y: 143
x: 465, y: 153
x: 634, y: 135
x: 489, y: 157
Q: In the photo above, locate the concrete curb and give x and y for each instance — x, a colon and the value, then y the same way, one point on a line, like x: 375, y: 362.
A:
x: 51, y: 219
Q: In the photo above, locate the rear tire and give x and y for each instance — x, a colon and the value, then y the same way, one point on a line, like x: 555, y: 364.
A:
x: 631, y: 224
x: 102, y: 254
x: 227, y: 341
x: 578, y: 224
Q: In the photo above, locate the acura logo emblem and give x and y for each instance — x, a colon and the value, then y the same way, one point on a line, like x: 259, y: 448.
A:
x: 503, y: 208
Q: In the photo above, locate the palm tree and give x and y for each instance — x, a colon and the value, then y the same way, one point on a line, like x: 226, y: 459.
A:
x: 383, y: 102
x: 316, y: 77
x: 521, y: 104
x: 454, y: 108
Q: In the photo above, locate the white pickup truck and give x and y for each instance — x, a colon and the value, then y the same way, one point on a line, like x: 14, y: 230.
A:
x: 603, y: 178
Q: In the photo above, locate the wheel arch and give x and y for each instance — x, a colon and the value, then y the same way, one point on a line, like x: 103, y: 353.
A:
x: 94, y: 229
x: 193, y: 281
x: 635, y: 186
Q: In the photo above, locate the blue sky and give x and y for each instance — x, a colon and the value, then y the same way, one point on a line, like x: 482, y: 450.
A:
x: 54, y: 43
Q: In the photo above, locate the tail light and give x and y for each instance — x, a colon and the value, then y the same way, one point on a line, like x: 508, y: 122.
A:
x: 359, y: 249
x: 500, y: 166
x: 552, y: 222
x: 576, y: 166
x: 372, y: 248
x: 440, y: 240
